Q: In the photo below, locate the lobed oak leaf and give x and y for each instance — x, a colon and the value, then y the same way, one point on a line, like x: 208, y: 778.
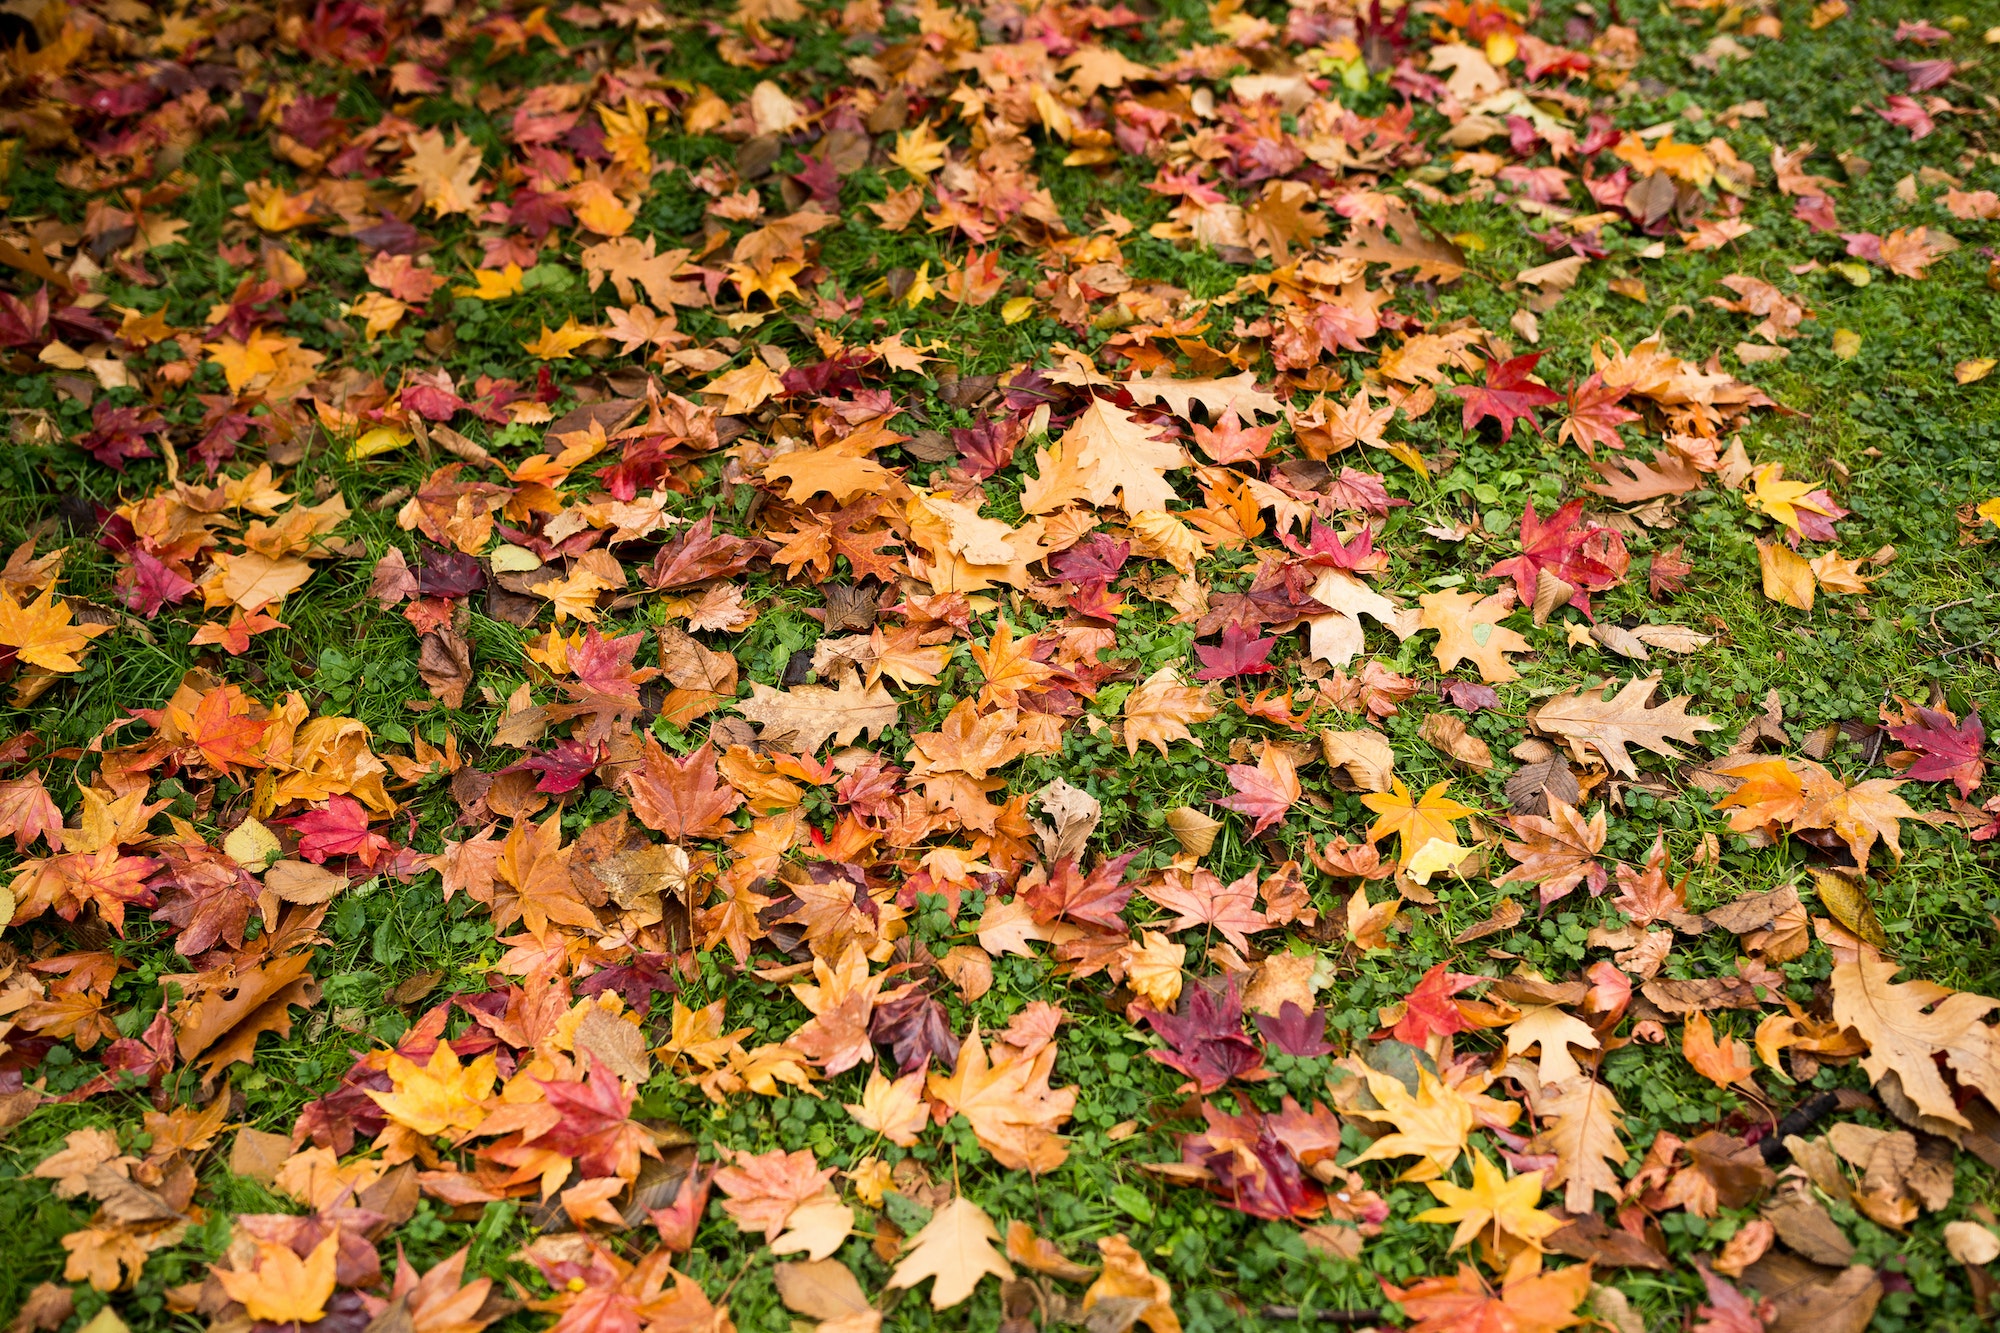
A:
x: 810, y: 715
x: 1588, y: 721
x: 1908, y: 1025
x: 1581, y: 1121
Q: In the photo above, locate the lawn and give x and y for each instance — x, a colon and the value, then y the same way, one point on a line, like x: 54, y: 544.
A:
x: 890, y: 666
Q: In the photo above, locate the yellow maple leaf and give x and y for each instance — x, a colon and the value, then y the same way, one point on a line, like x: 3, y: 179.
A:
x: 1782, y: 499
x: 379, y: 313
x: 492, y: 284
x: 1507, y: 1205
x: 557, y: 344
x: 243, y: 362
x: 442, y: 172
x: 599, y: 209
x: 272, y: 209
x: 1431, y: 1126
x: 283, y: 1288
x: 1417, y: 822
x: 745, y: 388
x: 441, y: 1096
x: 42, y: 633
x: 918, y: 151
x: 575, y: 595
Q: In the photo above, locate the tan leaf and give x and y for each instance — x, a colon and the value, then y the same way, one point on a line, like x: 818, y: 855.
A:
x: 1587, y: 721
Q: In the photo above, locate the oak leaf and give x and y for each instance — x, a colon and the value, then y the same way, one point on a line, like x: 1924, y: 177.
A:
x: 1588, y: 721
x: 812, y: 714
x: 1908, y: 1024
x: 1581, y: 1121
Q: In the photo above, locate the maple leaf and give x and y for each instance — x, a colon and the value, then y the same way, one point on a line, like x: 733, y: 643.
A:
x: 1908, y: 1024
x: 1429, y: 1008
x: 43, y: 633
x: 1729, y: 1310
x: 1592, y: 416
x: 1009, y: 667
x: 764, y: 1189
x: 1417, y: 822
x: 1117, y: 458
x: 1300, y: 1033
x: 441, y: 171
x: 1508, y: 395
x: 1201, y: 899
x: 283, y: 1288
x: 1507, y: 1205
x: 1431, y: 1126
x: 1264, y: 790
x: 679, y: 797
x: 1009, y: 1104
x: 1096, y: 899
x: 1542, y: 1303
x: 1590, y: 560
x: 533, y: 863
x: 894, y: 1108
x: 1588, y: 721
x: 1646, y: 896
x: 956, y: 1248
x: 810, y: 715
x: 438, y: 1097
x: 1944, y: 750
x: 1160, y: 709
x: 1231, y: 442
x: 594, y: 1128
x: 1558, y: 852
x: 1242, y: 653
x: 1722, y: 1063
x: 27, y: 812
x: 1469, y: 629
x: 1580, y: 1125
x: 1205, y: 1039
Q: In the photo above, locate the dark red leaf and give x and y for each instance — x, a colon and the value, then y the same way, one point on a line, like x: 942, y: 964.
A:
x: 1507, y: 396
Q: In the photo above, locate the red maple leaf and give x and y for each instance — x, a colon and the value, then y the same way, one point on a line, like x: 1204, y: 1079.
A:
x: 700, y: 554
x: 604, y: 666
x: 1241, y: 653
x: 1324, y: 548
x: 596, y: 1128
x: 1592, y: 416
x: 1295, y: 1031
x: 1252, y: 1170
x: 150, y: 584
x: 1205, y: 1040
x: 1909, y: 114
x: 204, y: 894
x: 1668, y: 572
x: 1429, y: 1007
x: 1943, y: 750
x: 1264, y: 791
x: 1095, y: 899
x: 340, y: 828
x: 1507, y: 396
x: 1590, y: 559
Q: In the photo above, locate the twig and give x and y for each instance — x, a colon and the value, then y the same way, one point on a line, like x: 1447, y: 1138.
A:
x: 1325, y: 1315
x: 1797, y: 1121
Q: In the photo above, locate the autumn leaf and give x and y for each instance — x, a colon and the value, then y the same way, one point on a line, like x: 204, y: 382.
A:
x: 810, y: 715
x: 894, y: 1108
x: 1469, y: 629
x: 1507, y: 396
x: 1542, y: 1303
x: 1908, y: 1024
x: 955, y: 1249
x: 1264, y: 790
x: 1723, y: 1063
x: 1588, y: 721
x: 1009, y: 1104
x: 1557, y: 853
x: 679, y: 798
x: 1117, y: 458
x: 43, y: 633
x: 1507, y: 1205
x: 1417, y: 822
x: 442, y: 172
x: 1581, y: 1121
x: 1555, y: 1031
x: 1160, y: 709
x: 1944, y: 750
x: 283, y: 1288
x: 1432, y: 1126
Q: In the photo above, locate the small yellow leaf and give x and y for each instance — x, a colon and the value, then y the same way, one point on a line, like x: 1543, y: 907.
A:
x: 1970, y: 372
x: 491, y: 284
x: 1017, y: 308
x: 1846, y: 344
x: 381, y: 440
x: 1787, y: 576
